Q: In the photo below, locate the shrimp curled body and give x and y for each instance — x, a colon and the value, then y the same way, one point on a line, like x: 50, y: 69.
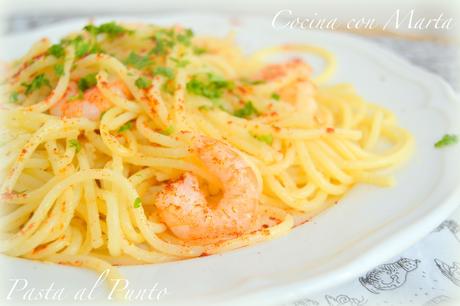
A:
x: 90, y: 104
x: 185, y: 210
x: 300, y: 88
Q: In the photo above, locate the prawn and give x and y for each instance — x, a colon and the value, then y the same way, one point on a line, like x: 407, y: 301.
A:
x: 273, y: 72
x: 300, y: 88
x: 185, y: 210
x: 89, y: 104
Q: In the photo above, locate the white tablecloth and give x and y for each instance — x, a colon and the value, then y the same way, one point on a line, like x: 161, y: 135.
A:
x: 427, y: 274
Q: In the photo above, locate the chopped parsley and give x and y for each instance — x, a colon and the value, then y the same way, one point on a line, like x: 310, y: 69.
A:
x: 446, y: 140
x: 125, y: 127
x: 112, y: 29
x: 137, y: 202
x: 87, y: 82
x: 14, y: 97
x: 165, y: 71
x: 91, y: 29
x: 59, y: 69
x: 37, y: 82
x: 56, y: 50
x: 275, y: 96
x: 159, y: 49
x: 83, y: 47
x: 165, y: 39
x: 199, y: 50
x: 252, y: 82
x: 204, y: 107
x: 143, y: 83
x: 208, y: 85
x: 138, y: 61
x: 73, y: 143
x: 267, y: 138
x: 246, y: 111
x: 168, y: 131
x: 180, y: 63
x: 185, y: 37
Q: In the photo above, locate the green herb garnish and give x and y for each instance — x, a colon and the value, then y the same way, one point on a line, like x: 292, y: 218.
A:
x: 165, y: 71
x: 73, y: 143
x: 138, y: 61
x: 168, y: 131
x: 112, y: 29
x: 14, y: 97
x: 56, y: 50
x: 275, y: 96
x: 185, y: 38
x: 164, y: 40
x: 246, y: 111
x: 199, y: 50
x: 180, y: 63
x: 208, y: 85
x: 252, y: 82
x: 137, y: 202
x: 87, y: 82
x: 267, y: 138
x: 143, y: 83
x: 59, y: 69
x: 446, y: 140
x: 204, y: 107
x: 125, y: 127
x: 159, y: 49
x: 81, y: 47
x: 39, y: 81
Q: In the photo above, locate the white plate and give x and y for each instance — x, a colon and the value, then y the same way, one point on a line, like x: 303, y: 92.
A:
x: 368, y: 226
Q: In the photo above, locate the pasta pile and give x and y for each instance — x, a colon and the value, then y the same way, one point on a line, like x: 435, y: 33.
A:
x: 80, y: 180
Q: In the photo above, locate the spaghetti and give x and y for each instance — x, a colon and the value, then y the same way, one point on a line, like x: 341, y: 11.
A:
x: 99, y: 126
